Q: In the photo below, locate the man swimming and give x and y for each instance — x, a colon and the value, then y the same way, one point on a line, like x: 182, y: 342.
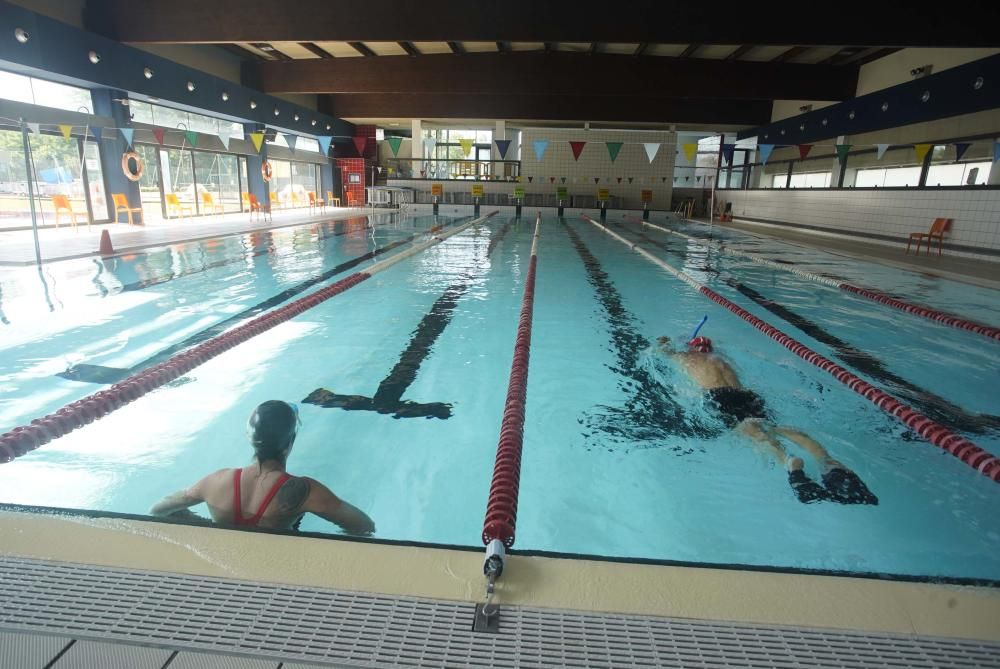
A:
x: 743, y: 410
x: 272, y: 498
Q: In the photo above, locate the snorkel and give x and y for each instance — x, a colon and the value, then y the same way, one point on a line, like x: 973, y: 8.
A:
x: 700, y: 344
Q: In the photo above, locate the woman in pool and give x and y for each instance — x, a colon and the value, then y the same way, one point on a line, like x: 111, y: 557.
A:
x: 743, y: 410
x: 264, y: 494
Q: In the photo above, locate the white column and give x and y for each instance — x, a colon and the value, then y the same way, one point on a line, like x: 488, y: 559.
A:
x: 416, y: 148
x: 994, y: 179
x: 837, y: 168
x: 500, y: 132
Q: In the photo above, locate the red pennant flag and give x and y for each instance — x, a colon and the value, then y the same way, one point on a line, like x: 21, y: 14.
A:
x: 158, y: 133
x: 804, y: 150
x: 552, y: 180
x: 577, y: 149
x: 360, y: 143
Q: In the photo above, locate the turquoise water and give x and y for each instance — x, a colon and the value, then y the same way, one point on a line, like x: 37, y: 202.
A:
x: 622, y: 456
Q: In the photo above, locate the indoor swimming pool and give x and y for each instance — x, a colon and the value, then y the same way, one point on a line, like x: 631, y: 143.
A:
x: 400, y: 384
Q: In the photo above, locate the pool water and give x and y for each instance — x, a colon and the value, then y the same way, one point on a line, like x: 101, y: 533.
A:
x: 622, y: 455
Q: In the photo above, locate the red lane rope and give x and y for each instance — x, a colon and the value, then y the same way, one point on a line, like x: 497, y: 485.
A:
x: 501, y: 508
x: 926, y: 312
x: 963, y: 449
x: 76, y: 414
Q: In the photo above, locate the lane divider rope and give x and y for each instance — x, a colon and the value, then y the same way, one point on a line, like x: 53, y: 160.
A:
x: 501, y: 507
x: 74, y: 415
x: 936, y: 315
x: 963, y: 449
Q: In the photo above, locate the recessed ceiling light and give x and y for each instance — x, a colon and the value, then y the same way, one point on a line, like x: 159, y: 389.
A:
x: 147, y: 72
x: 276, y: 111
x: 314, y: 121
x: 190, y: 86
x: 296, y: 117
x: 978, y: 83
x: 94, y: 57
x: 225, y: 96
x: 327, y: 126
x: 21, y: 35
x: 253, y: 105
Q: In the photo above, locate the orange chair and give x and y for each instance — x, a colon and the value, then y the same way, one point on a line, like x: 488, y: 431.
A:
x: 352, y: 201
x: 315, y: 201
x: 331, y: 200
x: 256, y: 206
x: 940, y: 226
x: 122, y: 205
x: 174, y: 205
x: 61, y: 203
x: 209, y: 204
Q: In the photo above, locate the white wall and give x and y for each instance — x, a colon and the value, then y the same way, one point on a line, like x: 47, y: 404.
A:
x: 891, y: 213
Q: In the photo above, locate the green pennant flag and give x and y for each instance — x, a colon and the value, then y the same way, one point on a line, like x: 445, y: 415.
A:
x: 192, y: 137
x: 613, y: 149
x: 394, y: 143
x: 842, y: 150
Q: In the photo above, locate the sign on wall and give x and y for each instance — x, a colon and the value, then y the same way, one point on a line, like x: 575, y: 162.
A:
x: 646, y: 196
x: 603, y: 195
x: 562, y: 193
x: 477, y: 190
x: 519, y: 193
x: 437, y: 190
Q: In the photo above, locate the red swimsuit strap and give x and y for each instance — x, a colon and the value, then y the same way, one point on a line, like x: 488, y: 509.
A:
x: 238, y: 518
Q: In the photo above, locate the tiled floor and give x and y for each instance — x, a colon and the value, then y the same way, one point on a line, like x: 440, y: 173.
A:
x: 17, y: 247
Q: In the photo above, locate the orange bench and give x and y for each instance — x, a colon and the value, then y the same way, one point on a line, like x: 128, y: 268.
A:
x: 940, y: 226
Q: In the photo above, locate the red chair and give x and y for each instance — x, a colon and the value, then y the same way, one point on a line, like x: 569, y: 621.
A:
x: 940, y: 226
x: 256, y: 206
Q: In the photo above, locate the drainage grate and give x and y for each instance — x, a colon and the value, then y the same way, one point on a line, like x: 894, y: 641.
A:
x: 359, y: 629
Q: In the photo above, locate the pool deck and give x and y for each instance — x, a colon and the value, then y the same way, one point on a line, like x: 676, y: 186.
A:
x: 17, y: 246
x: 967, y: 270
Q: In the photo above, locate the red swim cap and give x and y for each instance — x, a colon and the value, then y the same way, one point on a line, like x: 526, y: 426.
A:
x: 700, y: 345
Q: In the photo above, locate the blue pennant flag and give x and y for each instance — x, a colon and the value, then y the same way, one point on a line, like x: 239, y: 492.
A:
x: 290, y: 140
x: 324, y: 143
x: 502, y: 146
x: 540, y: 145
x: 765, y: 152
x: 127, y: 133
x: 960, y: 149
x: 996, y: 151
x: 95, y: 130
x: 727, y: 152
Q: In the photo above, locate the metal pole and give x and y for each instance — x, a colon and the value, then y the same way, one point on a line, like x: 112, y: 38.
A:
x: 711, y: 211
x: 29, y: 166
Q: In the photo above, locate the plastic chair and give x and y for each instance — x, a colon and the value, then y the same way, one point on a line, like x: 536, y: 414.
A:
x: 61, y: 203
x: 315, y: 201
x: 175, y: 206
x: 256, y: 206
x: 122, y: 205
x: 940, y: 226
x: 209, y: 203
x: 247, y: 206
x: 297, y: 200
x: 331, y: 200
x: 275, y: 200
x: 352, y: 201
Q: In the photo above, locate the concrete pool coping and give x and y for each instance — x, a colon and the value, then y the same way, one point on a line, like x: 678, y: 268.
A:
x: 704, y: 593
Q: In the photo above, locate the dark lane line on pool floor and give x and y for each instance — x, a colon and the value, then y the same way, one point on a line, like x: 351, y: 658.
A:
x: 388, y: 398
x: 651, y: 414
x: 933, y: 406
x: 102, y: 374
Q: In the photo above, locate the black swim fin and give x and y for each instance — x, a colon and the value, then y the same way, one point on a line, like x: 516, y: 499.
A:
x: 807, y: 490
x: 846, y: 487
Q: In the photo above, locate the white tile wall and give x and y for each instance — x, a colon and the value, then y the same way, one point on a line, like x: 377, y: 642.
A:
x: 894, y: 213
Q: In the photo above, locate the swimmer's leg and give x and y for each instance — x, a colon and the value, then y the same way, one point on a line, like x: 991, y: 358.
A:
x: 843, y: 485
x: 805, y: 489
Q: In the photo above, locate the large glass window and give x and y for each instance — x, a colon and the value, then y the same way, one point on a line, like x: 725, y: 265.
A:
x: 149, y: 185
x: 178, y: 181
x: 34, y: 91
x: 891, y: 176
x: 449, y: 159
x: 168, y: 117
x: 301, y: 143
x: 95, y: 181
x: 291, y: 183
x: 218, y: 182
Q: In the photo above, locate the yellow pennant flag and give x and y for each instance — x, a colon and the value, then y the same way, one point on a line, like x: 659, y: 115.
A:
x: 466, y: 145
x: 922, y: 150
x: 690, y: 150
x: 258, y: 139
x: 66, y: 130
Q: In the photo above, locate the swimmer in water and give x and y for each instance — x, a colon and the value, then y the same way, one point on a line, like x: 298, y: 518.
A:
x: 264, y: 494
x: 743, y: 410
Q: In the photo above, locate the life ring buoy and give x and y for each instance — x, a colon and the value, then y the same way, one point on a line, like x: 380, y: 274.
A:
x: 140, y: 167
x: 266, y: 171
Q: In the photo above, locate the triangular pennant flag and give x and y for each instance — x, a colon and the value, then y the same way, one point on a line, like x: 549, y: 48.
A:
x: 466, y: 145
x: 698, y: 179
x: 35, y: 128
x: 360, y: 143
x: 324, y: 143
x: 66, y: 130
x: 960, y: 149
x: 597, y: 179
x: 158, y: 133
x: 996, y: 151
x: 291, y: 141
x: 765, y: 152
x: 552, y: 180
x: 96, y: 130
x: 922, y: 150
x: 690, y: 150
x: 380, y: 169
x: 127, y: 133
x: 577, y: 148
x: 727, y: 152
x: 502, y: 146
x: 880, y: 150
x: 529, y: 179
x: 842, y: 150
x: 613, y: 149
x: 539, y: 145
x: 804, y: 150
x: 224, y: 137
x: 619, y: 179
x: 630, y: 179
x: 429, y: 144
x: 562, y: 179
x: 258, y: 140
x: 192, y: 137
x: 394, y: 144
x: 664, y: 179
x: 651, y: 149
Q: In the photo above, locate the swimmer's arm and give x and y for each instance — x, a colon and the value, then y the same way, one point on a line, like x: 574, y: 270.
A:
x: 176, y: 505
x: 667, y: 347
x: 328, y: 506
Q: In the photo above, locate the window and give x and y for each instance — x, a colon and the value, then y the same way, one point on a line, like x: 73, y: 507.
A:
x: 301, y: 143
x: 168, y: 117
x: 811, y: 180
x: 887, y: 177
x: 20, y: 88
x: 450, y: 160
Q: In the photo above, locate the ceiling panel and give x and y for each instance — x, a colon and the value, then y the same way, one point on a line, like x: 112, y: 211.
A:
x: 665, y: 49
x: 478, y: 47
x: 527, y: 46
x: 432, y: 47
x: 293, y: 49
x: 764, y: 53
x: 574, y: 46
x: 715, y: 51
x: 386, y: 48
x: 816, y: 54
x: 251, y: 48
x: 338, y: 49
x: 618, y: 47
